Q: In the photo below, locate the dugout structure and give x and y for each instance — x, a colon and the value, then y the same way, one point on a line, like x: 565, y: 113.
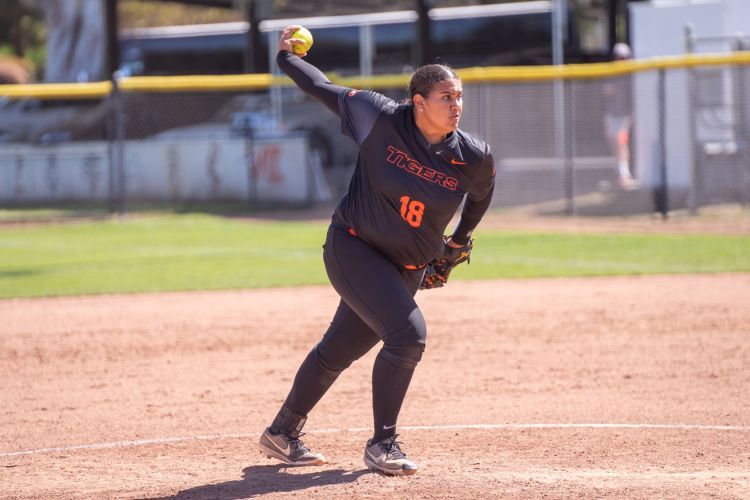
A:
x: 689, y: 141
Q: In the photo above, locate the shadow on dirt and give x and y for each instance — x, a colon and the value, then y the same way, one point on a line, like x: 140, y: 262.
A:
x: 263, y: 479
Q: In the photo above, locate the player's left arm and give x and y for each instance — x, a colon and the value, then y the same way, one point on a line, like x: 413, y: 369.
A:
x: 457, y: 248
x: 478, y: 201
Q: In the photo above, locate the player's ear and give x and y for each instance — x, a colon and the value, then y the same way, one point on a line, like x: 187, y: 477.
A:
x: 418, y: 100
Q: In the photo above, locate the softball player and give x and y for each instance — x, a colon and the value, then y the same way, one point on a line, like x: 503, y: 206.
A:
x: 414, y: 169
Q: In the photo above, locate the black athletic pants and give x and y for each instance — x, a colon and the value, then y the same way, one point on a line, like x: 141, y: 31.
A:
x: 377, y: 304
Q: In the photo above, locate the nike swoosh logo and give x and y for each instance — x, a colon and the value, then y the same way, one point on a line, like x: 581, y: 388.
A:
x: 456, y: 162
x: 386, y: 427
x: 283, y: 445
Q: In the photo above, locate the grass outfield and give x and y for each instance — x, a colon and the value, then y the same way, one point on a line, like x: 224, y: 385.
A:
x: 201, y: 252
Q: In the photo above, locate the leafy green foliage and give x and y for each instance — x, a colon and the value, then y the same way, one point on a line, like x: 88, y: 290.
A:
x: 22, y: 33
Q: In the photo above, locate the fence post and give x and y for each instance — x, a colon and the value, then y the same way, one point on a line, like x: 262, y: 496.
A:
x: 695, y: 189
x: 484, y: 108
x: 662, y: 191
x: 569, y: 148
x: 742, y: 122
x: 117, y: 155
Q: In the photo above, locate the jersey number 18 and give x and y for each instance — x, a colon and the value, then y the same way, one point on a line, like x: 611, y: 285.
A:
x: 412, y: 211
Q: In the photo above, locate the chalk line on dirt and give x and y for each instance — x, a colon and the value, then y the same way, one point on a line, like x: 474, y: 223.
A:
x: 218, y: 437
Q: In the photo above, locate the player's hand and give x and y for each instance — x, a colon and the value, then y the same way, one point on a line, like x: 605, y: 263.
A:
x: 286, y: 41
x: 437, y: 272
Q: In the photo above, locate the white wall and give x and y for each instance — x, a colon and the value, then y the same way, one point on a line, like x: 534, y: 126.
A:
x: 737, y: 17
x: 159, y: 170
x: 658, y: 29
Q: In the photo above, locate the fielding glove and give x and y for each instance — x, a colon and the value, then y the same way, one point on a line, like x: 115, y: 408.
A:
x: 438, y: 270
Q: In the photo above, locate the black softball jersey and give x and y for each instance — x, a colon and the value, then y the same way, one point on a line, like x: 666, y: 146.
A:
x: 404, y: 191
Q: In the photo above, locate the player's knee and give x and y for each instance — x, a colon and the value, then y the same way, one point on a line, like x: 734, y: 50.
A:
x: 404, y: 348
x: 403, y: 356
x: 329, y: 362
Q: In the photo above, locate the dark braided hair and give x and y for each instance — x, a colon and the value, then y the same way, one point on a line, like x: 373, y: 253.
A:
x: 426, y: 77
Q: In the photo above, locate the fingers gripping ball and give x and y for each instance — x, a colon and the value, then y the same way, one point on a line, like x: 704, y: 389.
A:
x: 304, y: 35
x: 437, y: 272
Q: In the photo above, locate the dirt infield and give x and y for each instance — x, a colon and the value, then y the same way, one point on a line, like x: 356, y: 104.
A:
x: 632, y: 387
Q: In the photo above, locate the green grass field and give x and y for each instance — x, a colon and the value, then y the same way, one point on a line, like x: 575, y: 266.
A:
x: 201, y: 252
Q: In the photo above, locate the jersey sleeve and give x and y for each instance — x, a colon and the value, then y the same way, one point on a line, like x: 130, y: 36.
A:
x: 310, y: 79
x: 360, y: 110
x: 484, y: 182
x: 478, y: 200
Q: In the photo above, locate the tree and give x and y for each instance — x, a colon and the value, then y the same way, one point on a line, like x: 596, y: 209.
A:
x: 22, y: 34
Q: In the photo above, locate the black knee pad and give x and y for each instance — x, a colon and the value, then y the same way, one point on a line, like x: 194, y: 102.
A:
x: 405, y: 347
x: 403, y: 356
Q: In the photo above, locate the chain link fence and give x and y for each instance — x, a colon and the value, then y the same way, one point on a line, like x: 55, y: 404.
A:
x: 631, y: 137
x: 43, y: 140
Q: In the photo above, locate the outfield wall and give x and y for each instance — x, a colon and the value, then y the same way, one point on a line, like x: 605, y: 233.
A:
x: 263, y: 170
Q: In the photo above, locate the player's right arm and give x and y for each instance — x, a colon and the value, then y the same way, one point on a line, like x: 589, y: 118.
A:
x: 307, y: 77
x: 358, y: 109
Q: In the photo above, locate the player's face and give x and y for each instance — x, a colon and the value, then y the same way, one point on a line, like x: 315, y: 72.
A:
x: 443, y: 105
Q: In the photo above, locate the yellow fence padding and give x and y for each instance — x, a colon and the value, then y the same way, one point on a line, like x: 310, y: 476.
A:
x: 208, y: 83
